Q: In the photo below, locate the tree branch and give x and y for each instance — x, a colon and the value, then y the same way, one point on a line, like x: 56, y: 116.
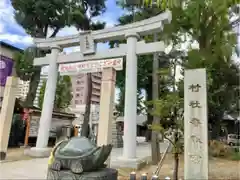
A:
x: 169, y: 140
x: 55, y: 32
x: 45, y: 30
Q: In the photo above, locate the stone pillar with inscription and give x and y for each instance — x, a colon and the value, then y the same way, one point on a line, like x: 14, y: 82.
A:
x: 195, y: 125
x: 7, y: 114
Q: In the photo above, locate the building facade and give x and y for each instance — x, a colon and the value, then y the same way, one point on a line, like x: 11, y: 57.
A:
x: 80, y: 89
x: 23, y: 88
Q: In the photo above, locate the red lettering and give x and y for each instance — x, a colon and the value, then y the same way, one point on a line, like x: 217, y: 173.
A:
x: 118, y: 61
x: 110, y: 62
x: 105, y: 63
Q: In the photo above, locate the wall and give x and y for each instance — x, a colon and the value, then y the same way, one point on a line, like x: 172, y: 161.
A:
x: 23, y: 88
x: 56, y: 122
x: 80, y: 89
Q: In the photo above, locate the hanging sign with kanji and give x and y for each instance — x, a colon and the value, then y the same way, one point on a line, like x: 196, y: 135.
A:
x: 90, y: 66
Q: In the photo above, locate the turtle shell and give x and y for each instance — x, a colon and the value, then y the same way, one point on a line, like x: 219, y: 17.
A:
x: 79, y: 155
x: 75, y: 147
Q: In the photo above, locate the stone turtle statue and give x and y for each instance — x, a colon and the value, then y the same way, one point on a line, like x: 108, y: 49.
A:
x: 78, y: 155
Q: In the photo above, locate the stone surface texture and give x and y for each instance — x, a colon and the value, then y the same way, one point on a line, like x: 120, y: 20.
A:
x: 6, y: 114
x: 102, y: 174
x: 79, y: 155
x: 117, y: 140
x: 195, y: 125
x: 48, y: 102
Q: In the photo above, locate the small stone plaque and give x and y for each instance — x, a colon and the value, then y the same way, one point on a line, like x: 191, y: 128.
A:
x: 87, y: 45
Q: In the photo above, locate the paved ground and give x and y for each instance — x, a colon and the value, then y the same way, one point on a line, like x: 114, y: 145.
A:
x: 37, y: 168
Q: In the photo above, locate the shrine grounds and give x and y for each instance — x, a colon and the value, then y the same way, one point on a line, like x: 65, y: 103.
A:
x: 18, y: 166
x: 219, y: 169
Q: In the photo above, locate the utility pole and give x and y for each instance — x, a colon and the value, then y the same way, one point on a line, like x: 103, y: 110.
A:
x: 155, y: 92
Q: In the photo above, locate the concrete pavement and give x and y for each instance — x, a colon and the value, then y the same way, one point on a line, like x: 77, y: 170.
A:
x: 37, y: 168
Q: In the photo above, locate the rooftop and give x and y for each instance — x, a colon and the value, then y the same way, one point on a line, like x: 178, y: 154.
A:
x: 9, y: 46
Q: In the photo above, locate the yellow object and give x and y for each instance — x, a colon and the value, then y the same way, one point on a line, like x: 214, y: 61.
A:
x: 51, y: 159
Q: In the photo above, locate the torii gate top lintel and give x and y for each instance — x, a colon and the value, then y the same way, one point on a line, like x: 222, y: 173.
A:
x: 144, y: 27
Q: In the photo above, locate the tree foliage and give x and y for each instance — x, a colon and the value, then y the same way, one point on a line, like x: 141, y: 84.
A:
x: 21, y: 62
x: 63, y: 94
x: 121, y: 100
x: 207, y: 25
x: 169, y: 108
x: 39, y: 17
x: 27, y: 72
x: 42, y: 19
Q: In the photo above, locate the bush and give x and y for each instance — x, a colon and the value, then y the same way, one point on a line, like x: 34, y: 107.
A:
x: 219, y: 149
x: 235, y: 156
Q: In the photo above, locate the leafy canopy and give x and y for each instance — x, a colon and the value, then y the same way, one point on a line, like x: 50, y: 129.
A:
x: 63, y: 94
x: 24, y: 63
x: 45, y: 18
x: 207, y: 24
x: 38, y: 16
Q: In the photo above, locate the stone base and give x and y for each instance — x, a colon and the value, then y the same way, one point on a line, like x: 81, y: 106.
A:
x: 3, y: 155
x: 25, y: 147
x: 103, y: 174
x: 136, y: 164
x: 38, y: 152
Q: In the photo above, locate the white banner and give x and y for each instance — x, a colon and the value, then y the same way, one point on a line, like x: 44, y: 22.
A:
x: 90, y: 66
x: 86, y: 67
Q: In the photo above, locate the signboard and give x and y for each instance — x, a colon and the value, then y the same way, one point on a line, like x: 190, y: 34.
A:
x: 195, y: 125
x: 87, y: 44
x: 6, y: 65
x: 90, y: 66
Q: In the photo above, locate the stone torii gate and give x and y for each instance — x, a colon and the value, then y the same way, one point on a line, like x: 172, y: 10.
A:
x: 88, y: 41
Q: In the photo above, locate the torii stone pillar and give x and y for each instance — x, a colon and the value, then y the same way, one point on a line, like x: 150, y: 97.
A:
x: 106, y: 107
x: 41, y: 149
x: 130, y: 109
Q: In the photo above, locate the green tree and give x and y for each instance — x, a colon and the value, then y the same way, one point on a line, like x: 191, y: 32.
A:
x: 39, y: 18
x: 27, y: 72
x: 121, y: 99
x: 207, y: 24
x: 169, y: 108
x: 63, y: 94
